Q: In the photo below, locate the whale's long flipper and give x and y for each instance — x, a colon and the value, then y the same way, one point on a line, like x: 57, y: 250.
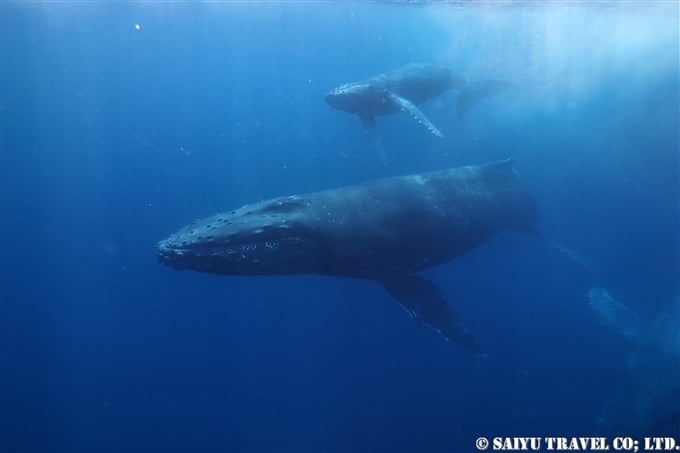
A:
x: 474, y: 92
x: 410, y: 108
x: 422, y: 299
x: 376, y: 141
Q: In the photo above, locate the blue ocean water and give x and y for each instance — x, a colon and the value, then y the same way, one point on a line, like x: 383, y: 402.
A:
x: 121, y: 122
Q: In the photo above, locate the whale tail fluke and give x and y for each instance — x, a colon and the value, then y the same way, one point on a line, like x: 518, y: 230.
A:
x: 473, y: 92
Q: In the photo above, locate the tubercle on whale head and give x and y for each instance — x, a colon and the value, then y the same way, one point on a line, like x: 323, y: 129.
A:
x: 262, y: 238
x: 350, y: 97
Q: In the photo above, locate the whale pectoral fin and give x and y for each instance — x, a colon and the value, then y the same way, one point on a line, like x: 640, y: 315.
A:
x: 422, y: 299
x: 373, y: 136
x: 410, y: 108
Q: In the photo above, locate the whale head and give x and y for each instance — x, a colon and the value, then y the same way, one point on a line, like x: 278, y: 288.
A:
x: 352, y: 97
x: 258, y: 239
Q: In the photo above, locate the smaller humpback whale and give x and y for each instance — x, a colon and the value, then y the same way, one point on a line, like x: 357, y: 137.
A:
x: 386, y: 230
x: 401, y: 90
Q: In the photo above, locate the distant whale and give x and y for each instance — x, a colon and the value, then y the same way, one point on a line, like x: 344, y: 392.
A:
x: 400, y: 90
x: 386, y: 230
x: 646, y: 402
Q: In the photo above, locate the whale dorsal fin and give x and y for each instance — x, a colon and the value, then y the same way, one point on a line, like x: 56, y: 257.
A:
x: 422, y: 299
x: 409, y: 107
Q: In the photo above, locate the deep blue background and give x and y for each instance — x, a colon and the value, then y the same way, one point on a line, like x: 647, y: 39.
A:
x: 114, y: 137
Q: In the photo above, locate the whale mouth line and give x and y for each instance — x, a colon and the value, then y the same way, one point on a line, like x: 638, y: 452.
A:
x: 245, y: 258
x: 217, y: 245
x: 169, y: 251
x: 210, y: 240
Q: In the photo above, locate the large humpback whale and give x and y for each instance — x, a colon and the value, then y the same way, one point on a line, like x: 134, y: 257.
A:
x: 386, y: 230
x: 400, y: 90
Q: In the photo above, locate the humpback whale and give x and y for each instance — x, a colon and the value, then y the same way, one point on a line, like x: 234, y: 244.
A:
x: 400, y: 90
x: 385, y: 230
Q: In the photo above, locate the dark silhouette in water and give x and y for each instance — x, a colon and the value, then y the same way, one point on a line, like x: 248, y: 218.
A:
x: 400, y: 90
x: 385, y: 230
x: 648, y: 402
